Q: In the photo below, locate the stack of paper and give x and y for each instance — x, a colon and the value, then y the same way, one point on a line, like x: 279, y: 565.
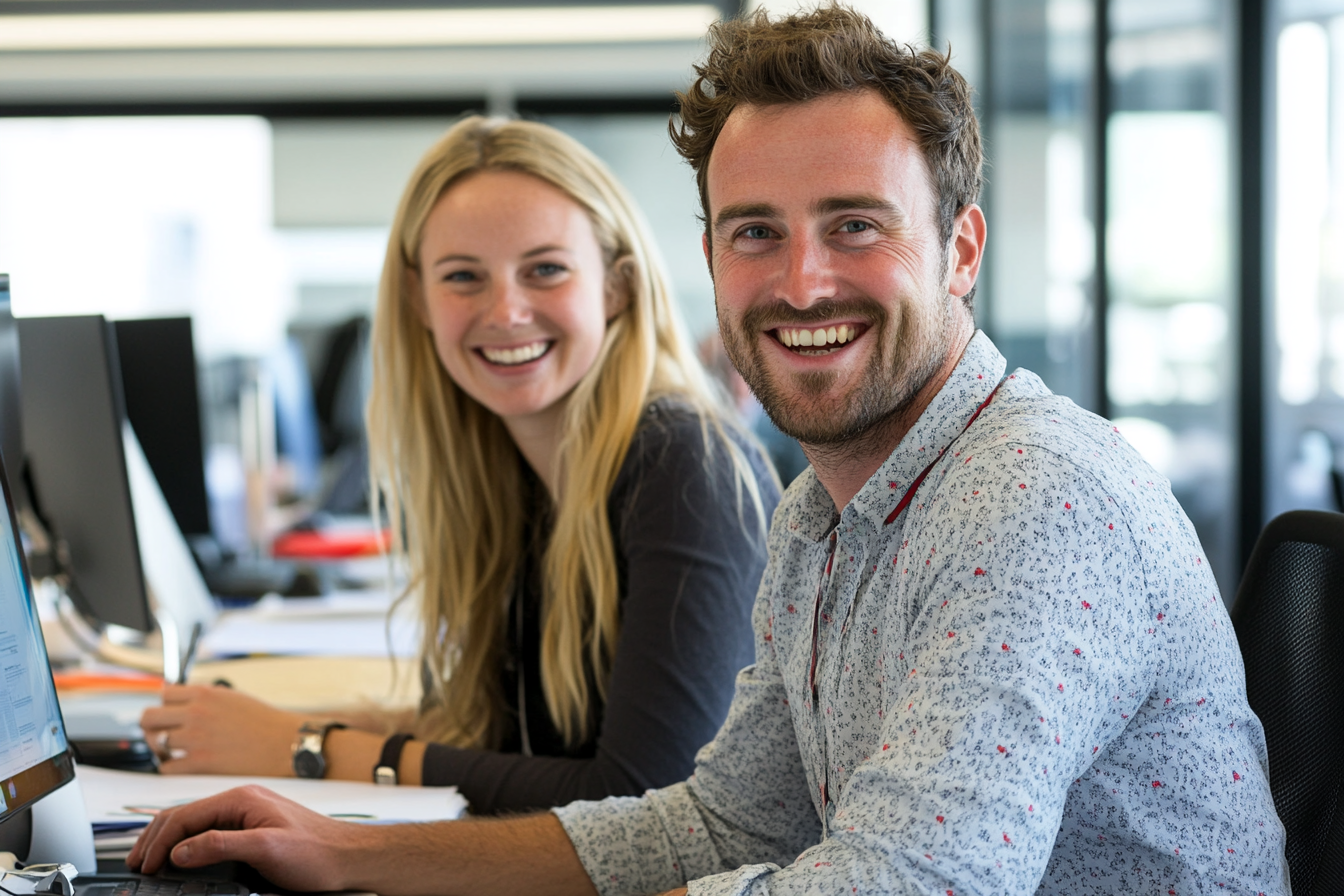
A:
x: 120, y: 804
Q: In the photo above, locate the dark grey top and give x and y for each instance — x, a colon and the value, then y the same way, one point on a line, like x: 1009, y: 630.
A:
x: 689, y: 565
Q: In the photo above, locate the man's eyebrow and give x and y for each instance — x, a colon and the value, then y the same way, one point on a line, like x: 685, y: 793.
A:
x: 858, y: 202
x: 744, y: 210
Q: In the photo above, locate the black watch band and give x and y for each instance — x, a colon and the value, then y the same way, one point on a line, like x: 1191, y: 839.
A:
x: 385, y: 772
x: 308, y: 759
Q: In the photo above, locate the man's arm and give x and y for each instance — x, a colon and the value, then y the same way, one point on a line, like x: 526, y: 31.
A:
x: 302, y: 850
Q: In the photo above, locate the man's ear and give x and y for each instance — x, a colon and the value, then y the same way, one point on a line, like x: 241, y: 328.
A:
x: 415, y: 289
x: 966, y: 251
x: 620, y: 286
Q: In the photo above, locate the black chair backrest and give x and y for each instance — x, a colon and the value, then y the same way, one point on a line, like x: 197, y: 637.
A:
x: 1289, y: 619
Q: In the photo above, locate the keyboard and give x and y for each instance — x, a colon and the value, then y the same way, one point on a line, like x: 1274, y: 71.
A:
x: 145, y: 885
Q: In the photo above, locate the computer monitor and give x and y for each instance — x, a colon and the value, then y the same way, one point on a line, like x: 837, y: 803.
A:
x: 114, y: 535
x: 72, y: 414
x: 11, y: 410
x: 35, y: 758
x: 158, y: 378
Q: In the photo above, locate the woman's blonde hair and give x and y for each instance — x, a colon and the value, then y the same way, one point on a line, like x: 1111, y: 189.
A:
x: 452, y: 481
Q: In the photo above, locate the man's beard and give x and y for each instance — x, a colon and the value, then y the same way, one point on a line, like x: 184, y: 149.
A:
x: 899, y: 366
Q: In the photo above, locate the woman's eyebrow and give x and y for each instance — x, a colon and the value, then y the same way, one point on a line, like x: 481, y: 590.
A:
x: 447, y: 258
x: 542, y: 250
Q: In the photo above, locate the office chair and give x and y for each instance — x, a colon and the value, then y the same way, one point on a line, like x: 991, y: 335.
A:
x: 1289, y: 620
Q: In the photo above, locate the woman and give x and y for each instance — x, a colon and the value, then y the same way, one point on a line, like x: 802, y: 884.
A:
x: 583, y: 526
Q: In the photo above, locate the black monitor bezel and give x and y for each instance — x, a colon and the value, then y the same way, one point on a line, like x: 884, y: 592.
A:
x: 62, y: 762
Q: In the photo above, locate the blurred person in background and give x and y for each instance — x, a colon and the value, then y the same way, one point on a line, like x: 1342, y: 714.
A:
x: 583, y: 522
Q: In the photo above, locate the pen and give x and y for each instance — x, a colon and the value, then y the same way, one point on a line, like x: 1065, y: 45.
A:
x: 190, y: 654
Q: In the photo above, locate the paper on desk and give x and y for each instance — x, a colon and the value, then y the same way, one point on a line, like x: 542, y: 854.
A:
x: 107, y: 793
x: 342, y: 624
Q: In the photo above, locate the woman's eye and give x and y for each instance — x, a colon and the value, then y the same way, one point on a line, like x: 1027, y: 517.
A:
x: 548, y: 269
x: 459, y: 277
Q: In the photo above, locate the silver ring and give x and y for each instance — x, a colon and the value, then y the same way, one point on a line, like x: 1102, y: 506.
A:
x: 162, y: 743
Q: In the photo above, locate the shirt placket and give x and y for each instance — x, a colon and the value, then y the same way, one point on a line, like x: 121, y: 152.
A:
x: 821, y: 763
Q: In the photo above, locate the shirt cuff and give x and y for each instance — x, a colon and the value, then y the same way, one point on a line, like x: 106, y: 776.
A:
x: 642, y: 844
x: 731, y: 883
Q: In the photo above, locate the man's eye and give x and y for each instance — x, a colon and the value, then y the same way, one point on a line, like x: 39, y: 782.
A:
x: 758, y: 232
x: 855, y: 226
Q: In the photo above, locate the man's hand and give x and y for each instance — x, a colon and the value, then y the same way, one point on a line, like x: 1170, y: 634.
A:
x: 301, y: 850
x: 215, y: 730
x: 290, y: 845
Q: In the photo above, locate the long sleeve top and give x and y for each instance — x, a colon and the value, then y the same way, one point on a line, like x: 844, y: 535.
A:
x: 1024, y: 681
x: 689, y: 555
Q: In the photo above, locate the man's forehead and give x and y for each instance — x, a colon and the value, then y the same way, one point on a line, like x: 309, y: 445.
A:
x: 834, y: 144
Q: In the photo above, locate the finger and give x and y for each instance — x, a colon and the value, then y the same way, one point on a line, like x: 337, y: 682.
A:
x: 174, y: 825
x: 163, y: 717
x: 209, y: 847
x: 181, y: 693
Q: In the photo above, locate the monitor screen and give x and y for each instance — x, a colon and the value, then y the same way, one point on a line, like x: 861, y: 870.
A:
x: 158, y: 378
x: 73, y: 412
x: 34, y: 755
x: 11, y: 412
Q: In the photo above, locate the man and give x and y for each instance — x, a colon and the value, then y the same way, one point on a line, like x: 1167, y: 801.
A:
x: 990, y: 654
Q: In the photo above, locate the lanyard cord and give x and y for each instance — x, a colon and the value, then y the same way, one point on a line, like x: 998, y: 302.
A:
x: 900, y: 507
x: 919, y: 480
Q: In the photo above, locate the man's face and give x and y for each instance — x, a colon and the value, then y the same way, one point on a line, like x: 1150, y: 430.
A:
x: 830, y: 280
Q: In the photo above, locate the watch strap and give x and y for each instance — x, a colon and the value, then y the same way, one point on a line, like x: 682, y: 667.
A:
x: 385, y: 772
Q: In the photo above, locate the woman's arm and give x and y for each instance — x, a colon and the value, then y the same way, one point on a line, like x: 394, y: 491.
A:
x: 217, y: 730
x: 691, y: 567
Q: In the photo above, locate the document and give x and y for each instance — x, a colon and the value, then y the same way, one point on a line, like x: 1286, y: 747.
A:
x: 121, y: 799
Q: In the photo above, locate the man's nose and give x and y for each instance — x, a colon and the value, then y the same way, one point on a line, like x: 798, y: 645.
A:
x: 807, y: 276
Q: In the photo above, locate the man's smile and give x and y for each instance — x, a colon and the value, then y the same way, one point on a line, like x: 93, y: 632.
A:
x: 818, y: 340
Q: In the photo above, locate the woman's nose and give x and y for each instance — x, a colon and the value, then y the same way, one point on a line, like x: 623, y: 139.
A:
x: 508, y: 305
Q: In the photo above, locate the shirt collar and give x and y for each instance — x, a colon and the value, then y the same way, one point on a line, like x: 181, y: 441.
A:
x: 976, y: 375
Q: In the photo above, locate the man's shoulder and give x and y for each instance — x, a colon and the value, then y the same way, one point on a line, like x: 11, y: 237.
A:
x: 1026, y: 413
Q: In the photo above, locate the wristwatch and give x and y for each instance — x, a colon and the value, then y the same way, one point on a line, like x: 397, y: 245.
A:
x: 308, y: 760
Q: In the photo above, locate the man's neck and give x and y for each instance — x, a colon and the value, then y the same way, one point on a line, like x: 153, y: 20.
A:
x: 843, y: 469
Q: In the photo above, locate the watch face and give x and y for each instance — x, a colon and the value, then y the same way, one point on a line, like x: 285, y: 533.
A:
x: 308, y: 764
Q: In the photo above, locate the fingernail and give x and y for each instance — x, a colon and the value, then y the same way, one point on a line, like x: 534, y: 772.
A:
x: 181, y: 854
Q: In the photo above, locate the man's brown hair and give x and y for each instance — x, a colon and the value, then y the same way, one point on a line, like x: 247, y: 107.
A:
x: 759, y: 62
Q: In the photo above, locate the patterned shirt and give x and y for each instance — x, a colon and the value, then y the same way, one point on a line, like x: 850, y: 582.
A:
x: 1024, y: 681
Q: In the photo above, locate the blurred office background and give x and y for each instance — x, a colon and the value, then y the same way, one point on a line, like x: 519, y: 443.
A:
x: 1166, y: 190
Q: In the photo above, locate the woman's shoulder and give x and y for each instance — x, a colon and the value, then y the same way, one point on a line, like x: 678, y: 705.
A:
x: 673, y: 431
x: 677, y: 442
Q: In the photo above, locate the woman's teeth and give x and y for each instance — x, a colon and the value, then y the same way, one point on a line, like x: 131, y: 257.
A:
x: 512, y: 356
x: 818, y: 338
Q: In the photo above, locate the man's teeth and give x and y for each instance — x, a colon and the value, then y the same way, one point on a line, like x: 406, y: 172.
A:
x: 520, y: 355
x: 818, y: 337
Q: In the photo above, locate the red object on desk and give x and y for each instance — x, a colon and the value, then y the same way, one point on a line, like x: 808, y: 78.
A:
x: 107, y: 681
x: 330, y: 545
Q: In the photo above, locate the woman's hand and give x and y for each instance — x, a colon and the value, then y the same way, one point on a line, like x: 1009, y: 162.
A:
x: 216, y: 730
x: 290, y: 845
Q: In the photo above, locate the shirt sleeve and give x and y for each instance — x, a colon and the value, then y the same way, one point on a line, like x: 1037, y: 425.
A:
x: 690, y: 556
x: 747, y: 803
x: 1023, y: 657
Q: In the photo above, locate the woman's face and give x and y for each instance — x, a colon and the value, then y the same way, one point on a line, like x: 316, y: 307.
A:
x: 515, y: 291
